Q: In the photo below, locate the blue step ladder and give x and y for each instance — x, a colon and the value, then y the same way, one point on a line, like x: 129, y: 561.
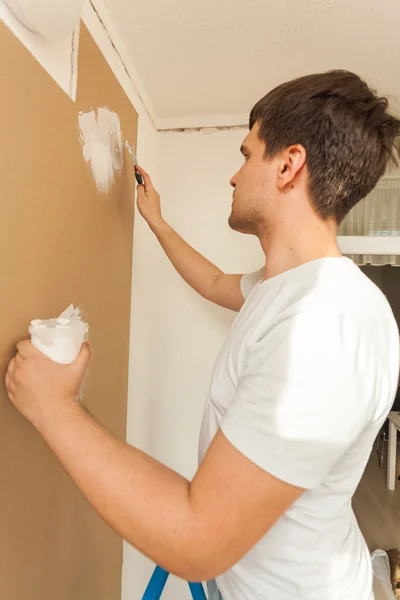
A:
x: 157, y: 584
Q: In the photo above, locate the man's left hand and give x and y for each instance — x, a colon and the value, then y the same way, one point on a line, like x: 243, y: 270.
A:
x: 36, y: 384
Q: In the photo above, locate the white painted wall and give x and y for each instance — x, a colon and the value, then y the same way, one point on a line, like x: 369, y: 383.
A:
x: 176, y: 334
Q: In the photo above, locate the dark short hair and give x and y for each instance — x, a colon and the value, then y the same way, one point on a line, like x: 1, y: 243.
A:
x: 346, y: 129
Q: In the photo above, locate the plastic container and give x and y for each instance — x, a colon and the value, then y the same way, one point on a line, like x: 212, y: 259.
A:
x: 60, y: 339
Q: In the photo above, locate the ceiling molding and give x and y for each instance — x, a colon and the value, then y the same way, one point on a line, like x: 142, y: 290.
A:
x: 106, y: 22
x: 203, y: 121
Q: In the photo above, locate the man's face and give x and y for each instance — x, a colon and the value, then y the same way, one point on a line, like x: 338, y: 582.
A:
x: 253, y: 188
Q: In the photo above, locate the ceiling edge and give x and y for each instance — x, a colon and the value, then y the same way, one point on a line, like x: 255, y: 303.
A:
x: 200, y: 122
x: 106, y: 22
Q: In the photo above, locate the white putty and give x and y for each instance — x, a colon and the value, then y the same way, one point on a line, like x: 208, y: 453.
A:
x: 54, y: 20
x: 73, y: 80
x: 61, y: 338
x: 59, y: 59
x: 101, y: 139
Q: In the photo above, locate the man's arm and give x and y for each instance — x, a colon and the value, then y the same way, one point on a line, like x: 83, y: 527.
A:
x: 201, y: 274
x: 196, y: 529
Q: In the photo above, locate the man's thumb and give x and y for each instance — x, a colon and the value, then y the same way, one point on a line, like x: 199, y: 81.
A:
x: 82, y: 360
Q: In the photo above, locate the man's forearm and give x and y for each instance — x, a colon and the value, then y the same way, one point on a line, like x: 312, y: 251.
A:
x: 194, y: 268
x: 144, y: 501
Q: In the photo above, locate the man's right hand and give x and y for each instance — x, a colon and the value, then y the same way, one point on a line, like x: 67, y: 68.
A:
x: 202, y: 275
x: 148, y: 200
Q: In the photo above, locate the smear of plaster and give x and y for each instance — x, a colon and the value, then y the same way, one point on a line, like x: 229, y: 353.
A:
x: 101, y: 139
x: 59, y: 59
x: 73, y: 81
x: 206, y: 130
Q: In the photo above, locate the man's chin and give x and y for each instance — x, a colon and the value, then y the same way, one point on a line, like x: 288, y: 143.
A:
x: 238, y: 225
x: 232, y: 222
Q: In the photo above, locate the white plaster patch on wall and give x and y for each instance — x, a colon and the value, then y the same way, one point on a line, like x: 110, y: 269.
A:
x: 102, y: 145
x: 73, y: 80
x: 53, y: 19
x: 59, y: 59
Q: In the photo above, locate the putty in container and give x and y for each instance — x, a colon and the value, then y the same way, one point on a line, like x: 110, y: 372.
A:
x: 61, y: 338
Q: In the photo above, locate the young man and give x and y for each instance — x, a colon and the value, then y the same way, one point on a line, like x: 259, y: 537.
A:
x: 303, y: 384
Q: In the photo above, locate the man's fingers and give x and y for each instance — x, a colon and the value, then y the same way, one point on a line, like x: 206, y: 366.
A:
x: 148, y: 184
x: 9, y: 385
x: 26, y: 349
x: 11, y: 367
x: 19, y: 360
x: 8, y: 382
x: 141, y: 192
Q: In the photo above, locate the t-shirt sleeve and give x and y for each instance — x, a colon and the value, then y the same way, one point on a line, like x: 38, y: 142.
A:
x: 296, y: 408
x: 249, y: 281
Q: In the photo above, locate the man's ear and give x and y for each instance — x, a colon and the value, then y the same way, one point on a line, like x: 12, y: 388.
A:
x: 293, y: 159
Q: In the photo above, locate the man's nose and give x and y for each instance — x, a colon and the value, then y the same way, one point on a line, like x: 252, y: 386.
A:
x: 233, y: 181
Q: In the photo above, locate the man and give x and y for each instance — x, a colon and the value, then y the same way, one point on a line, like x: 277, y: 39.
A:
x: 303, y: 384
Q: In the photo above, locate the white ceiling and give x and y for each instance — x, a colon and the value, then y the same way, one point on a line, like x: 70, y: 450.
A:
x: 208, y: 61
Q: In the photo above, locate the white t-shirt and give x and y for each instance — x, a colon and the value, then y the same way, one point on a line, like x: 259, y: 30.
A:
x: 301, y: 387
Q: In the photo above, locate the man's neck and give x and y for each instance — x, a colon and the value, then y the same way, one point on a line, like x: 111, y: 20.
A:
x: 288, y: 245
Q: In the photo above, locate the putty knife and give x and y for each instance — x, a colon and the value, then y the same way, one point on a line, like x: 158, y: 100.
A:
x: 131, y: 150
